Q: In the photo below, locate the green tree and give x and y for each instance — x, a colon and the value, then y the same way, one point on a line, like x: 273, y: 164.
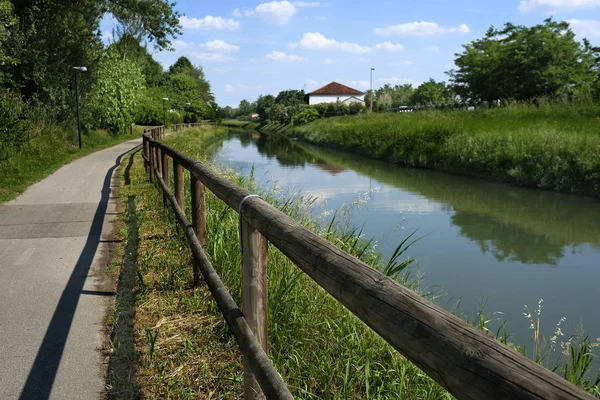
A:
x: 432, y: 93
x: 263, y: 104
x: 290, y: 97
x: 129, y: 46
x: 246, y: 108
x: 520, y: 63
x: 119, y: 86
x: 52, y: 36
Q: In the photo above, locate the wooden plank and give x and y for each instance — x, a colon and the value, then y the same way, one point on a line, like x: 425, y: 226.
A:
x: 178, y: 184
x: 198, y: 218
x: 270, y: 381
x: 254, y: 297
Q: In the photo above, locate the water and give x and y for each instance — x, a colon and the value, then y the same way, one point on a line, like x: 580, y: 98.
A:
x: 485, y: 242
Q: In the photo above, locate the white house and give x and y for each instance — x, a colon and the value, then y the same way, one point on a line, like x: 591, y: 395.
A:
x: 334, y: 92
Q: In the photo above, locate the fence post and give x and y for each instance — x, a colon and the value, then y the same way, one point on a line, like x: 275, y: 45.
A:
x: 151, y: 158
x: 178, y: 184
x: 159, y: 161
x: 145, y: 152
x: 166, y: 177
x: 198, y: 218
x: 254, y: 296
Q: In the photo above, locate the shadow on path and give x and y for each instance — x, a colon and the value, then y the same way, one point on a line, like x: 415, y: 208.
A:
x: 43, y: 372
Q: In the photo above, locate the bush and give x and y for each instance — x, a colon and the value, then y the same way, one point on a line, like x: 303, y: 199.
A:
x: 357, y: 108
x: 14, y: 124
x: 304, y: 117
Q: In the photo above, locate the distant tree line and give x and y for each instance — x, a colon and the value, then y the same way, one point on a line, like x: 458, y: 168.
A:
x: 515, y: 63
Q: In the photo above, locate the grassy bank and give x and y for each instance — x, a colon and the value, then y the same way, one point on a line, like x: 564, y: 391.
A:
x: 50, y: 147
x: 234, y: 123
x: 183, y: 348
x: 548, y: 146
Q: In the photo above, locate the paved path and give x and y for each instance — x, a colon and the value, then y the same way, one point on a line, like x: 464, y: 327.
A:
x: 53, y: 290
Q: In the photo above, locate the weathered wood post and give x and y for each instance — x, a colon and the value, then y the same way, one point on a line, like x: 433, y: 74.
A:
x: 166, y: 177
x: 151, y: 158
x: 145, y: 152
x: 159, y: 161
x: 254, y: 296
x: 178, y: 184
x: 198, y: 218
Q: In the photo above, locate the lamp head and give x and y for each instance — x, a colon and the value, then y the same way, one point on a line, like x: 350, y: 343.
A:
x: 80, y: 69
x: 165, y: 98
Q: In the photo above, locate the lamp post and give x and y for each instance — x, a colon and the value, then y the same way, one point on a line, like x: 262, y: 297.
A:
x: 372, y: 95
x: 77, y: 70
x: 187, y: 108
x: 165, y: 111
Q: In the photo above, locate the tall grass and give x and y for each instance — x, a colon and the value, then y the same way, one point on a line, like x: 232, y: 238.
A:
x: 547, y: 145
x: 49, y: 146
x: 319, y: 347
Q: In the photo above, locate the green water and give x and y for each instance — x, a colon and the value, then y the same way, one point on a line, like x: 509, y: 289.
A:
x: 486, y: 242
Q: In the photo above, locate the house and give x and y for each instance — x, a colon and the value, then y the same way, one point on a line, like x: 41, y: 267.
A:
x: 253, y: 116
x: 334, y: 92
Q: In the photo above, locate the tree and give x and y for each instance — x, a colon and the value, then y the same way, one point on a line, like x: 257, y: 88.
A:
x: 245, y: 108
x: 290, y: 97
x: 119, y: 86
x: 129, y: 46
x: 52, y: 36
x: 263, y: 104
x: 432, y: 93
x: 521, y: 63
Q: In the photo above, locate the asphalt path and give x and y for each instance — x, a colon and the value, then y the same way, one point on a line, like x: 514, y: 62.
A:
x: 54, y: 292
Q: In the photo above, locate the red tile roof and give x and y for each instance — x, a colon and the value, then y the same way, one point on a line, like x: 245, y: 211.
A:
x: 337, y: 88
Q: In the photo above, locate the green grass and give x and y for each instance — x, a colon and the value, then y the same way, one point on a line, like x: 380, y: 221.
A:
x: 185, y: 350
x: 548, y: 146
x: 51, y: 146
x: 234, y: 123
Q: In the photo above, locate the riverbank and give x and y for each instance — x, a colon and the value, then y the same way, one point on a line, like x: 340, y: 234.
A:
x: 552, y: 147
x: 319, y: 348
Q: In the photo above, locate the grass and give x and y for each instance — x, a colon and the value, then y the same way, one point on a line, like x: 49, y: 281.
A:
x: 546, y: 145
x: 234, y: 123
x: 51, y: 146
x: 183, y: 349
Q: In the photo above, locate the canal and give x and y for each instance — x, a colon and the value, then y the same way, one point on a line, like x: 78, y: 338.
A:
x: 485, y: 242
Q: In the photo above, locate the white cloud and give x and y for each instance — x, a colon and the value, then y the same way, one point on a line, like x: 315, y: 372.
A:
x: 423, y: 28
x: 311, y: 83
x: 317, y: 41
x: 328, y: 61
x: 359, y: 84
x: 209, y: 22
x: 282, y: 57
x: 586, y: 28
x: 236, y: 13
x: 229, y: 89
x: 276, y: 12
x: 432, y: 48
x: 308, y: 4
x: 389, y: 46
x: 552, y: 6
x: 220, y: 70
x: 217, y: 57
x: 219, y: 46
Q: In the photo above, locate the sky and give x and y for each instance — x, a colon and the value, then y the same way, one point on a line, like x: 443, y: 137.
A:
x: 248, y: 48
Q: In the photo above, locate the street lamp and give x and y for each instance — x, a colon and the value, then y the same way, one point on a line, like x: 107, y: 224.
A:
x: 165, y: 110
x: 77, y: 70
x: 186, y: 110
x: 372, y: 96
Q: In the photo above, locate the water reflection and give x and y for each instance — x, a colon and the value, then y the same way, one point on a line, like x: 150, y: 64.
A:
x: 513, y: 224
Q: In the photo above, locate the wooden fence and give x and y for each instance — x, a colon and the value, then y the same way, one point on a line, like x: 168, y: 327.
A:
x: 464, y: 360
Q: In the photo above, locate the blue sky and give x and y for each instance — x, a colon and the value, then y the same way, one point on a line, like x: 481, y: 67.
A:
x: 249, y: 48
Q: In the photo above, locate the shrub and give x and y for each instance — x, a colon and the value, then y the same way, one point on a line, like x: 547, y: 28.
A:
x: 357, y: 108
x: 14, y: 124
x: 304, y: 117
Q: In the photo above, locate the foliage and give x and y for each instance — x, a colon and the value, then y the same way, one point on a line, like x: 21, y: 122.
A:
x: 290, y: 97
x: 357, y: 108
x: 306, y: 116
x: 15, y: 124
x: 245, y: 108
x: 433, y: 93
x: 547, y: 145
x: 116, y: 92
x: 263, y: 104
x: 129, y: 47
x: 521, y: 63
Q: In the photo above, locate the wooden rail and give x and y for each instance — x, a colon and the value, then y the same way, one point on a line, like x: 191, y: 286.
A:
x: 464, y: 360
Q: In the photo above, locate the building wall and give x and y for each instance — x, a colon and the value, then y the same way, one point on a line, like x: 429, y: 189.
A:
x: 326, y: 98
